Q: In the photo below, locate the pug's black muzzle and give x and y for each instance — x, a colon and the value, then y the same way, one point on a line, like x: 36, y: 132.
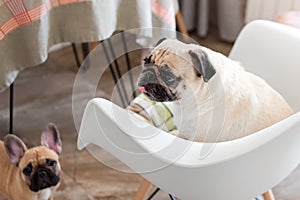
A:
x: 152, y: 87
x: 156, y: 92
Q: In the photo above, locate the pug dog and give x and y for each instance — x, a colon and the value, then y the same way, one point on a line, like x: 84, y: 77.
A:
x: 34, y: 173
x: 215, y: 99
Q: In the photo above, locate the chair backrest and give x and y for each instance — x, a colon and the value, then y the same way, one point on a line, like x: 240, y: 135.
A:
x: 272, y: 51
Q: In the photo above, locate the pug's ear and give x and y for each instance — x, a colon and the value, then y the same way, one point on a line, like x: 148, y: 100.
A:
x: 202, y: 65
x: 15, y: 148
x: 50, y: 138
x: 160, y: 41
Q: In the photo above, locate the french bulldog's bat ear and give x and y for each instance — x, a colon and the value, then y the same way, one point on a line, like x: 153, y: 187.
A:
x: 160, y: 41
x: 203, y: 66
x: 51, y: 138
x: 15, y: 148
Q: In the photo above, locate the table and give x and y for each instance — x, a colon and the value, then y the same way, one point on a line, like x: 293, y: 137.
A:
x: 29, y: 28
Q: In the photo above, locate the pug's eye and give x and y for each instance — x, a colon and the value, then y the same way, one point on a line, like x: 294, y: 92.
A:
x: 51, y: 163
x: 169, y: 79
x: 27, y: 170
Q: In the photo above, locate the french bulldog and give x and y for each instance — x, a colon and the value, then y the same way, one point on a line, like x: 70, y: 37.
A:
x: 215, y: 99
x: 34, y: 173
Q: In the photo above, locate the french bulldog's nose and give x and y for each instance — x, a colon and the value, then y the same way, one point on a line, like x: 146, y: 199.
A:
x: 42, y: 174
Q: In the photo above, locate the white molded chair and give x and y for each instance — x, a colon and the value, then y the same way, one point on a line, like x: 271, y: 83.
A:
x: 237, y: 170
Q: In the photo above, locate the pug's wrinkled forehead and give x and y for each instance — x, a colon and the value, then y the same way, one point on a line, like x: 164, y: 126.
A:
x: 166, y: 52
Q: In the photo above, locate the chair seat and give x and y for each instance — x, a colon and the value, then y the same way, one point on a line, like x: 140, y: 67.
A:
x: 256, y: 162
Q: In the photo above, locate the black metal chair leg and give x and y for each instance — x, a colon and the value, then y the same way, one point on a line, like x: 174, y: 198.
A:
x: 11, y: 108
x: 76, y: 55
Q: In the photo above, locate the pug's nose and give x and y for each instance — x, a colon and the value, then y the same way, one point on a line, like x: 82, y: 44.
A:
x: 148, y: 77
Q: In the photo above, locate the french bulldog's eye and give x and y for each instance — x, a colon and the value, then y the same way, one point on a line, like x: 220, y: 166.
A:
x: 27, y: 170
x: 51, y: 163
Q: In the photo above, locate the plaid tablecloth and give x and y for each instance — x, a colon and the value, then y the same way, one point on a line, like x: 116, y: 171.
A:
x: 28, y: 28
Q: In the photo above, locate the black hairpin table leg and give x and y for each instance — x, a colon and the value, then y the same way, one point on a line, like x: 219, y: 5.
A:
x: 11, y: 108
x: 153, y: 194
x: 172, y: 197
x: 85, y: 49
x: 156, y: 191
x: 85, y: 53
x: 76, y: 55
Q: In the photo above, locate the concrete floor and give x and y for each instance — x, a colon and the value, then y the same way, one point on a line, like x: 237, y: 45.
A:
x: 44, y: 94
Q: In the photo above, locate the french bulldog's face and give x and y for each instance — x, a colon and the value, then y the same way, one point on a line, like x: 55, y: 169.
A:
x: 39, y: 166
x: 169, y: 70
